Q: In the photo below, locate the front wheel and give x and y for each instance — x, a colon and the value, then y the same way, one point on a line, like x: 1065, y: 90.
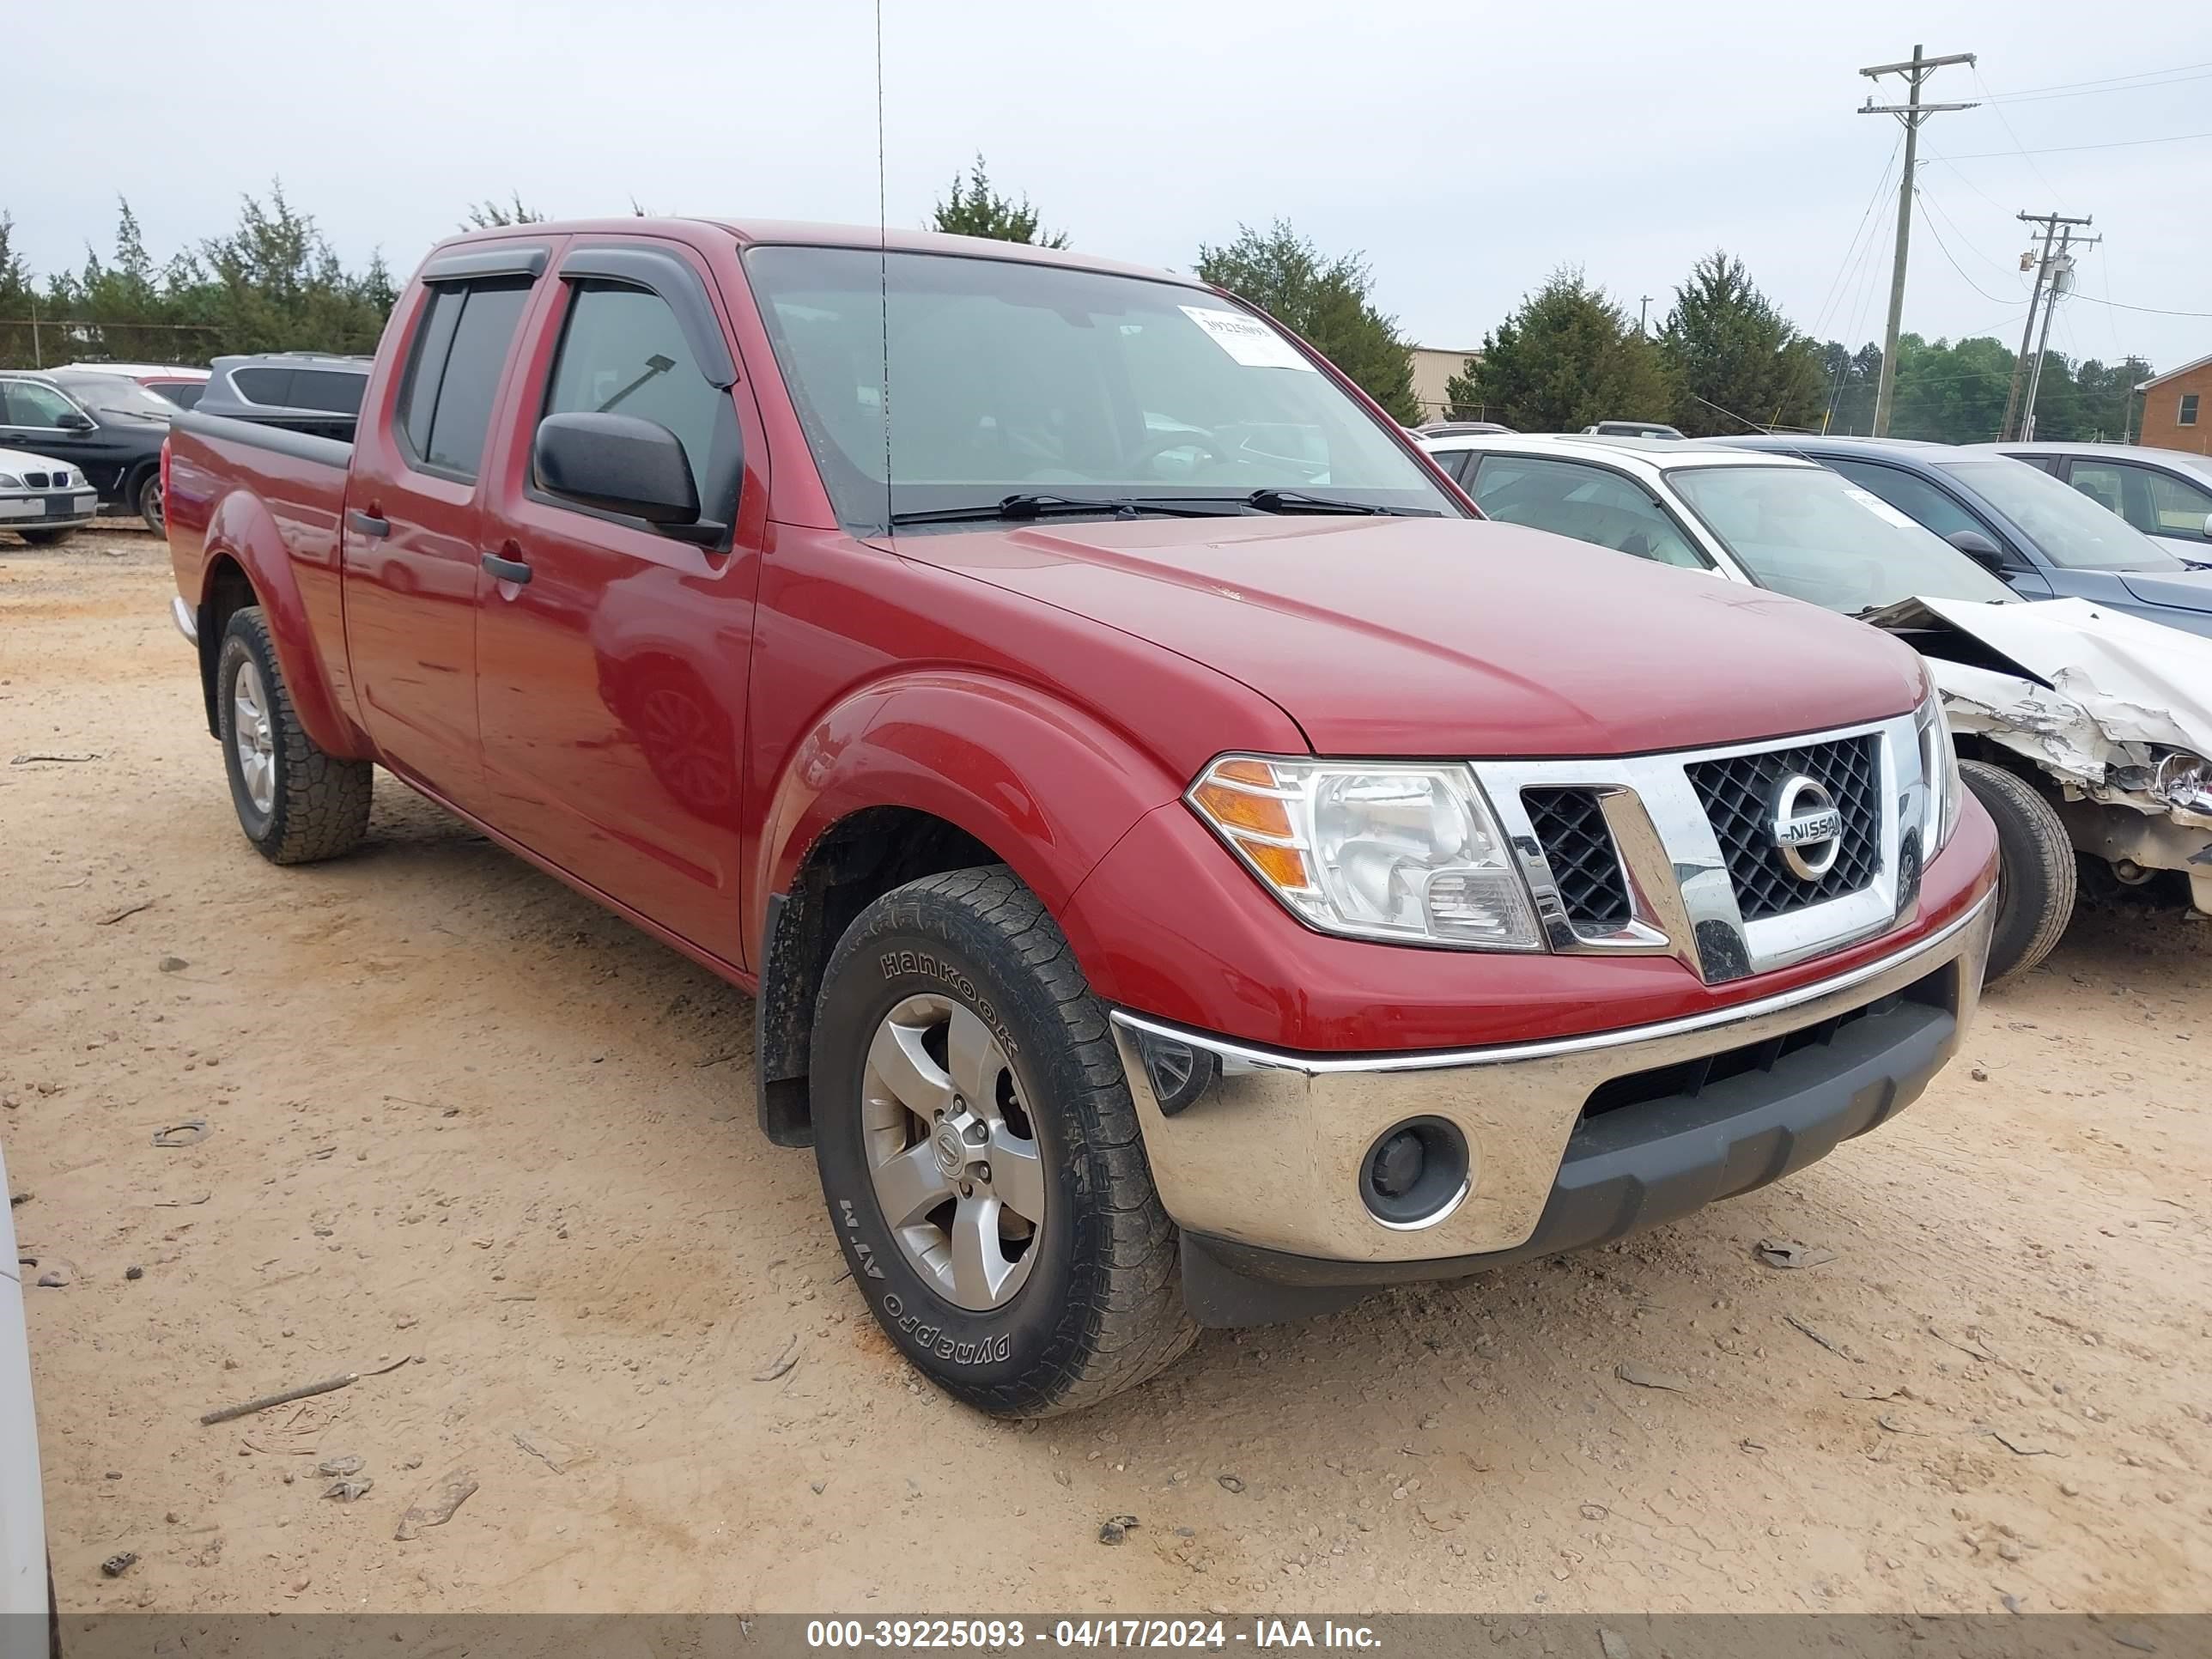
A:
x: 981, y: 1157
x: 295, y: 803
x: 2036, y: 877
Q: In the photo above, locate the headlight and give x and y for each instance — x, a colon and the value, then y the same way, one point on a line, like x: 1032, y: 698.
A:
x: 2184, y: 780
x: 9, y: 481
x: 1374, y: 849
x: 1939, y: 764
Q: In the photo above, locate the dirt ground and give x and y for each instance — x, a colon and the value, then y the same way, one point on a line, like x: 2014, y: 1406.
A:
x: 455, y: 1112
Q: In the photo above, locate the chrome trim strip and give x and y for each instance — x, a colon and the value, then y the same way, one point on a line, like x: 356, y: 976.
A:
x: 1246, y: 1058
x: 1435, y: 1218
x: 181, y: 614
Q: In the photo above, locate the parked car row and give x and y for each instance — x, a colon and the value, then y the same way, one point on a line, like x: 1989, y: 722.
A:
x: 74, y: 438
x: 2082, y: 725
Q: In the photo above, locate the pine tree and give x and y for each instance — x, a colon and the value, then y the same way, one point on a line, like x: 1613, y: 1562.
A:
x: 1736, y: 363
x: 974, y: 209
x: 1565, y: 359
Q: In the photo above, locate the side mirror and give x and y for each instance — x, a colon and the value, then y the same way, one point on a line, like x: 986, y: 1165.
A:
x: 619, y: 463
x: 1978, y: 547
x: 2207, y: 526
x: 74, y: 420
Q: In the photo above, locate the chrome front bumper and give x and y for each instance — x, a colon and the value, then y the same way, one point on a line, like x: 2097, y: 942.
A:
x: 1269, y: 1154
x: 181, y: 614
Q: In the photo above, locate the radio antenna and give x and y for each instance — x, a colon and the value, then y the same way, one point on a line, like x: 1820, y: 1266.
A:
x: 883, y: 270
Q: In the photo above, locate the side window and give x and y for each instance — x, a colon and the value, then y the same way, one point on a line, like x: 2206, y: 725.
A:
x: 622, y: 353
x: 2186, y: 414
x: 30, y: 404
x: 1586, y: 502
x: 270, y: 386
x: 2178, y: 508
x: 454, y: 373
x: 1916, y: 498
x: 1457, y: 463
x: 2117, y: 489
x: 328, y: 389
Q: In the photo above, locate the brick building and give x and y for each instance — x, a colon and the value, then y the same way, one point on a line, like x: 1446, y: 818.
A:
x: 2177, y: 409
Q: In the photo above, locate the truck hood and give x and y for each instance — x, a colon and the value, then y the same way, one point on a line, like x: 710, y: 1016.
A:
x: 1432, y: 636
x: 2091, y: 695
x: 2184, y: 590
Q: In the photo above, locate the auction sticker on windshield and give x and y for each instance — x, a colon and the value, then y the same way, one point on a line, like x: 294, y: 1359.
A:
x: 1247, y: 339
x: 1881, y: 509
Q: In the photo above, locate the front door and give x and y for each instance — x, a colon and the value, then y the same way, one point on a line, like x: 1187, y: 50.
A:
x: 414, y: 533
x: 611, y: 658
x: 32, y: 416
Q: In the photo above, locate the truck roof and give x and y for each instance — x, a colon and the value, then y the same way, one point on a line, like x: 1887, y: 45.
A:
x: 750, y: 232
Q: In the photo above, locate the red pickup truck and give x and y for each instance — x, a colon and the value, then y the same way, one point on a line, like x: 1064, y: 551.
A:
x: 1190, y: 869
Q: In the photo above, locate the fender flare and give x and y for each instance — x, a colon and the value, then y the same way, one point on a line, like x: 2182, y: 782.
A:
x: 972, y: 750
x: 242, y: 530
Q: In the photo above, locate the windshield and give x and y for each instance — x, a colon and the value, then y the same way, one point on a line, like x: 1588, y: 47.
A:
x: 1805, y: 532
x: 2068, y: 528
x: 1013, y: 379
x: 112, y: 394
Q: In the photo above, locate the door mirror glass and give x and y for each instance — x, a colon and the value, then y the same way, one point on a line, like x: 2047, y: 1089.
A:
x: 1978, y: 547
x: 619, y: 464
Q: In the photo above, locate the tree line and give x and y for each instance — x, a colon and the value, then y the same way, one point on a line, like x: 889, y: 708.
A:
x: 272, y: 283
x: 1723, y: 360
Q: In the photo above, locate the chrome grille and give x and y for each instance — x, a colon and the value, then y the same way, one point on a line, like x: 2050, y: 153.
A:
x: 1570, y: 827
x: 1739, y: 793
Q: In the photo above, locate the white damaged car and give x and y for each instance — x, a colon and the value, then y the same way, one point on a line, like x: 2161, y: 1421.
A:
x: 2078, y: 728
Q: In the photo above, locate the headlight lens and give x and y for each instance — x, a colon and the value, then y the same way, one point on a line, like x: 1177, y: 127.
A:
x: 2184, y: 780
x: 1939, y: 764
x: 1373, y: 849
x: 9, y: 481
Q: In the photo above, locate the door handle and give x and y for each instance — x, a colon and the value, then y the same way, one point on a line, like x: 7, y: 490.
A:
x: 367, y: 523
x: 507, y: 570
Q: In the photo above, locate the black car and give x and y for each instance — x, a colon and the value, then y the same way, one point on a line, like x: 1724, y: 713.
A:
x: 107, y: 426
x: 300, y: 391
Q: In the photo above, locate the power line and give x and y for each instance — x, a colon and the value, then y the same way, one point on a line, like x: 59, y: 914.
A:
x: 1836, y: 290
x: 2068, y: 150
x: 2155, y: 311
x: 1998, y: 110
x: 2083, y: 89
x: 1946, y: 249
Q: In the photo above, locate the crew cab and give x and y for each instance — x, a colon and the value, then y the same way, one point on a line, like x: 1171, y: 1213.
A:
x: 1190, y: 870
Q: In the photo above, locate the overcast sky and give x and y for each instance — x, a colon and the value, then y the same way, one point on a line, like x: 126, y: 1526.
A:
x: 1467, y: 148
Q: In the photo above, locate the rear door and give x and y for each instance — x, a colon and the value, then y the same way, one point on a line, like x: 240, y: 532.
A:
x: 414, y: 522
x: 612, y: 677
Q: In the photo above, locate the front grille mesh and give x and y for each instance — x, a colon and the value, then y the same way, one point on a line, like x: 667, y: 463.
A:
x: 36, y: 481
x: 1571, y: 830
x: 1738, y: 794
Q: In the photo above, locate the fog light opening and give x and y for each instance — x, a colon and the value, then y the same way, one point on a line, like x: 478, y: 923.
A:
x: 1415, y: 1174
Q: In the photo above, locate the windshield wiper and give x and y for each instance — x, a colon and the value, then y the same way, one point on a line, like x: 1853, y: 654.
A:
x: 1297, y: 501
x: 1022, y: 508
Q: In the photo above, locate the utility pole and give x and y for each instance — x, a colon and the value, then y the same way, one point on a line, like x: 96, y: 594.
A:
x: 2061, y: 279
x: 1643, y: 309
x: 1916, y: 71
x: 2050, y: 221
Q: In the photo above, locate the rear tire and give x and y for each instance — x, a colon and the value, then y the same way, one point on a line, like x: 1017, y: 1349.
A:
x: 959, y: 992
x: 47, y: 537
x: 146, y: 501
x: 2036, y: 877
x: 295, y: 803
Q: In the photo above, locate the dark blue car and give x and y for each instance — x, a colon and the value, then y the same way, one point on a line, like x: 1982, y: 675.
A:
x: 2046, y: 540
